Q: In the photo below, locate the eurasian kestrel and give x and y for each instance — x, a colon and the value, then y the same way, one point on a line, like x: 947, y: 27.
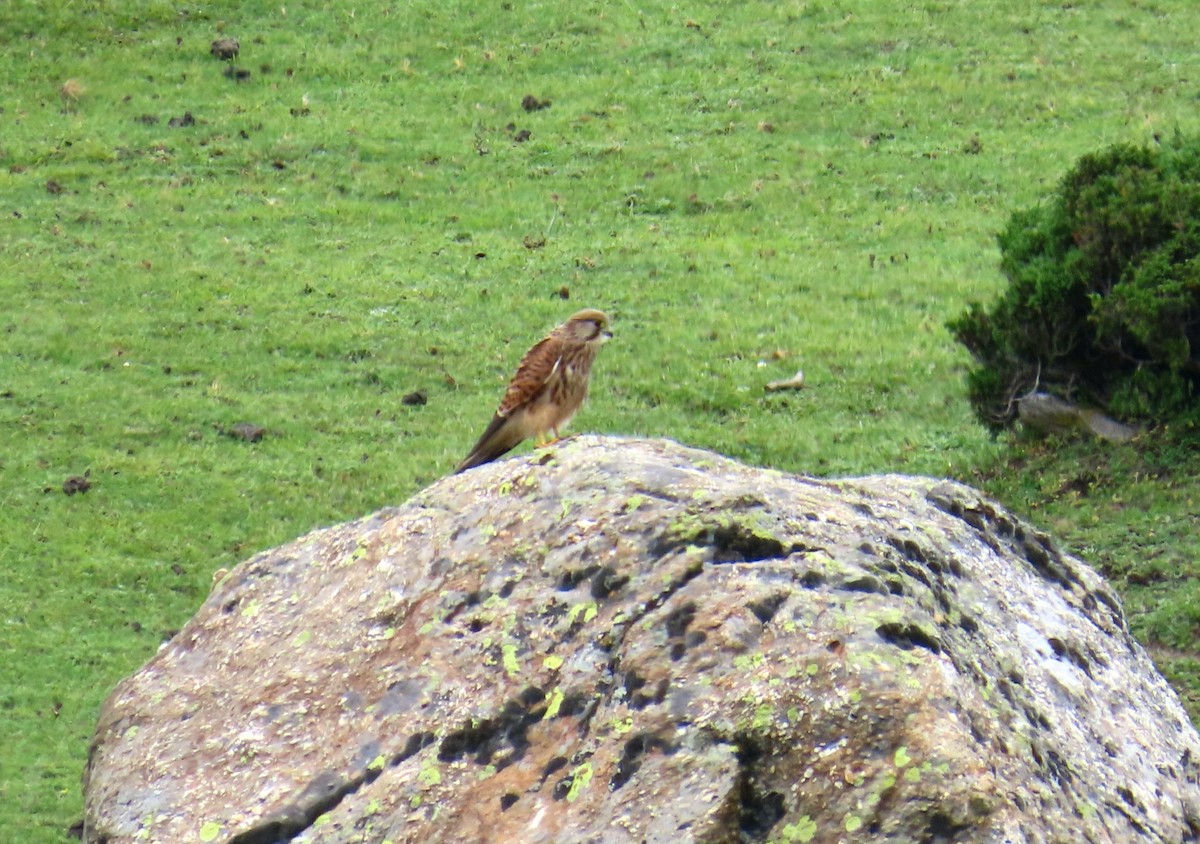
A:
x: 550, y: 385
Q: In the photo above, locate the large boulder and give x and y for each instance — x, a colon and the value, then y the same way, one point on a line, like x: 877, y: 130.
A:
x: 631, y: 641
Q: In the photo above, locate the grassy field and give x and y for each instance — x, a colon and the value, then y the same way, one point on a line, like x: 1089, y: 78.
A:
x: 359, y: 207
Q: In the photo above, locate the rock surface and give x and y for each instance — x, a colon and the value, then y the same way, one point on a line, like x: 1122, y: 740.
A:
x: 627, y: 641
x: 1048, y: 414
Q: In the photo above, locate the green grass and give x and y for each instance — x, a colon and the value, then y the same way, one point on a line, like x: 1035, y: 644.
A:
x: 747, y: 188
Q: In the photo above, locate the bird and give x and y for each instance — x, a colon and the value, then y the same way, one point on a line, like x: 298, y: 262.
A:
x: 548, y: 388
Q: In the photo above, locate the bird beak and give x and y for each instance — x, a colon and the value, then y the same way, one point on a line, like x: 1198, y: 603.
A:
x: 605, y: 336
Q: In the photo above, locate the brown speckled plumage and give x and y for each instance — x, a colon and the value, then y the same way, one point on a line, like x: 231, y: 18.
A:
x: 548, y: 388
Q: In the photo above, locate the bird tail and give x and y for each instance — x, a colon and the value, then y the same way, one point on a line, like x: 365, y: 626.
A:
x: 494, y: 443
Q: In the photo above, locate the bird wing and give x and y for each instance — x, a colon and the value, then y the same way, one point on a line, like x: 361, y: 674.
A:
x: 536, y: 369
x: 533, y: 377
x: 501, y: 437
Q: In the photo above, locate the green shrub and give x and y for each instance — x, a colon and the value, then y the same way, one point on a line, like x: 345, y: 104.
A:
x: 1103, y: 302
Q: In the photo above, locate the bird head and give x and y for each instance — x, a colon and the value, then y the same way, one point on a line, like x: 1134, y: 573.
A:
x: 588, y: 326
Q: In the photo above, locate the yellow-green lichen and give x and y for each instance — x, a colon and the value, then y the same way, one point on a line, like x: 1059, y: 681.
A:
x: 622, y: 725
x: 745, y: 662
x: 429, y: 776
x: 357, y: 554
x: 586, y: 608
x: 801, y: 832
x: 508, y: 653
x: 210, y: 831
x: 580, y: 777
x: 553, y: 703
x: 764, y: 716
